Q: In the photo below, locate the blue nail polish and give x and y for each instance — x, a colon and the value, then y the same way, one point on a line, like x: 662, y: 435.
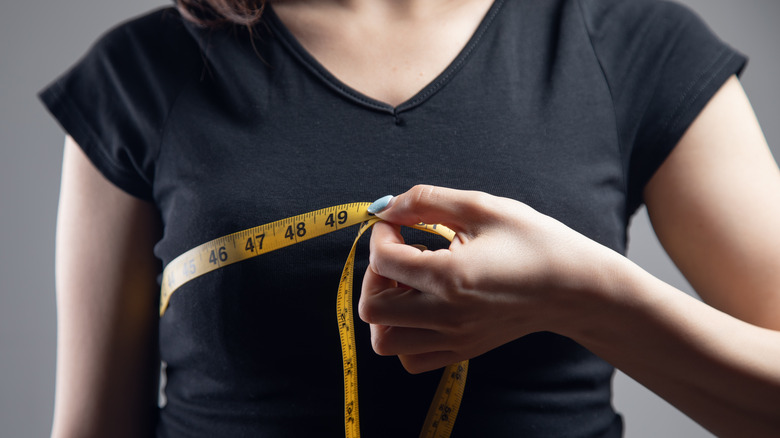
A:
x: 380, y: 204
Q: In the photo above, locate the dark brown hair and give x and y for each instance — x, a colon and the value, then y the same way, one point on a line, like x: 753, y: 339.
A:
x: 216, y: 13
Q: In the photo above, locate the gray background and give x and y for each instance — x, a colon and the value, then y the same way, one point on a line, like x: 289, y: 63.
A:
x: 39, y: 39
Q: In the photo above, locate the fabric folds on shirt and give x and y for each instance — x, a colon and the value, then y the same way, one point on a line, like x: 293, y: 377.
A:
x: 567, y: 105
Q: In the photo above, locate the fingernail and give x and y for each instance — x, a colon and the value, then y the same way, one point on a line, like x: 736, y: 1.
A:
x: 380, y: 204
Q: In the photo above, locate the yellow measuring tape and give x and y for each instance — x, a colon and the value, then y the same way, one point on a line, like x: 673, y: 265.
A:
x: 262, y: 239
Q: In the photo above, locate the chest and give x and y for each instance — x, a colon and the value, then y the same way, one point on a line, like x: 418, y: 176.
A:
x: 528, y: 118
x: 516, y: 117
x: 389, y: 59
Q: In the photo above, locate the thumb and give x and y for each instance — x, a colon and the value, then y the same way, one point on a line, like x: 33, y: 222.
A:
x: 457, y: 209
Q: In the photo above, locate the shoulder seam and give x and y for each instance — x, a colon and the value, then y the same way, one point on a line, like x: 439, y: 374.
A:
x: 619, y: 137
x: 169, y: 111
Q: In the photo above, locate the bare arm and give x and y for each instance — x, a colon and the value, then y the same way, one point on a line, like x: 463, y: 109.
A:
x: 715, y: 205
x: 106, y: 306
x: 511, y: 271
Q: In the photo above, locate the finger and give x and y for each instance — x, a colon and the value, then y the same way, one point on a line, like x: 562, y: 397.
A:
x: 456, y: 209
x: 418, y: 350
x: 400, y: 307
x: 374, y: 283
x: 421, y: 247
x: 394, y: 341
x: 420, y: 363
x: 383, y: 299
x: 390, y: 257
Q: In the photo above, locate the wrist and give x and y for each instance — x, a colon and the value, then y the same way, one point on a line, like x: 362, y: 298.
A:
x: 603, y: 289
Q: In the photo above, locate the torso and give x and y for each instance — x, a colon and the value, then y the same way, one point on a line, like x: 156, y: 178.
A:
x: 547, y: 103
x: 290, y: 137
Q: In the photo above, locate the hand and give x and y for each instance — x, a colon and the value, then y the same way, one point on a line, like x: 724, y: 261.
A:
x: 508, y: 272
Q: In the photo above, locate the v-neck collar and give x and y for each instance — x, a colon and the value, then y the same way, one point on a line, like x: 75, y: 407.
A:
x: 298, y: 51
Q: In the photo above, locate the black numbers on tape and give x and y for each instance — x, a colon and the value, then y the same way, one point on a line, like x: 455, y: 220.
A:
x: 191, y: 264
x: 341, y: 217
x: 424, y: 225
x: 257, y: 242
x: 188, y: 268
x: 220, y: 254
x: 300, y: 231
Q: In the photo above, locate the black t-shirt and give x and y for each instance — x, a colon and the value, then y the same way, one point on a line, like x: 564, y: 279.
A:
x: 566, y: 105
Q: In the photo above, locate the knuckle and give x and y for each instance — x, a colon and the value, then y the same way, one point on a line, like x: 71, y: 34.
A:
x: 380, y: 347
x: 423, y: 195
x: 450, y: 320
x: 481, y: 205
x: 460, y: 311
x: 463, y: 277
x: 381, y: 344
x: 376, y: 262
x: 379, y: 262
x: 457, y: 326
x: 412, y: 365
x: 366, y: 310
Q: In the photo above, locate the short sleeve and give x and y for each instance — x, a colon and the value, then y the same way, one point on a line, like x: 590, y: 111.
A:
x: 115, y: 100
x: 662, y: 64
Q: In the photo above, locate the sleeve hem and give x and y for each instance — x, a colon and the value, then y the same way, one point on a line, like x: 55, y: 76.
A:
x: 70, y: 119
x: 688, y: 109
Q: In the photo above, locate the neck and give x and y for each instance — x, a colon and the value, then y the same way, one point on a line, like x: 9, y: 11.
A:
x: 386, y: 9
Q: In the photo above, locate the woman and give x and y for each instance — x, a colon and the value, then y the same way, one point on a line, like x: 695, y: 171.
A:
x: 190, y: 125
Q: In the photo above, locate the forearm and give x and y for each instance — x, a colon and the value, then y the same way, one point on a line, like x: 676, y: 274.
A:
x: 722, y: 372
x: 102, y: 389
x: 512, y: 271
